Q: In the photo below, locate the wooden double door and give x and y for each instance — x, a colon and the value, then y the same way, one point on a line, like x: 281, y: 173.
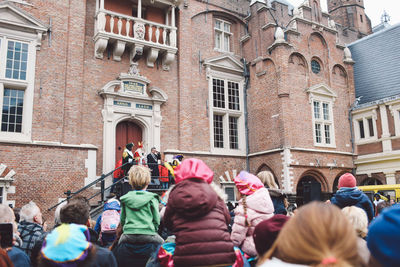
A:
x: 126, y: 132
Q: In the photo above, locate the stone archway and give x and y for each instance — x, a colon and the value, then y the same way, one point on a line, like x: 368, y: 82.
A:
x: 310, y: 186
x: 130, y: 99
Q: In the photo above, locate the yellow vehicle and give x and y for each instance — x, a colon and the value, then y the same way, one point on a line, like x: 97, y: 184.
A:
x: 391, y: 191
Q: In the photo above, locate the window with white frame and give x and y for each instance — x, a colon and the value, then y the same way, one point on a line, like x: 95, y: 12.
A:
x: 16, y: 87
x: 20, y: 37
x: 364, y: 123
x: 366, y: 128
x: 323, y: 123
x: 229, y: 189
x: 222, y: 31
x: 227, y: 114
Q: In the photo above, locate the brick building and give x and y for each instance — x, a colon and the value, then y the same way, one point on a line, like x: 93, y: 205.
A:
x: 239, y: 84
x: 376, y: 117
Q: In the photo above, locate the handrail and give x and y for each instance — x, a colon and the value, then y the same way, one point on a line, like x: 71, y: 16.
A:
x: 100, y: 179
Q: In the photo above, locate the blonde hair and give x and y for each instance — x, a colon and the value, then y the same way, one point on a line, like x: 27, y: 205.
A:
x: 358, y: 218
x: 139, y: 177
x: 267, y: 178
x: 317, y: 235
x: 246, y: 222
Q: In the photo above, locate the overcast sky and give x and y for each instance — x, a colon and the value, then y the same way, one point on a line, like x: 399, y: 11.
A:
x: 373, y: 8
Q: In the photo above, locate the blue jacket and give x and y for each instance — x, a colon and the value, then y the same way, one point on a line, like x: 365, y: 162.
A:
x: 113, y: 205
x: 18, y: 257
x: 352, y: 196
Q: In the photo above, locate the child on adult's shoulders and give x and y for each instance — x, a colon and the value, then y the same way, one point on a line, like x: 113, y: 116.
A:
x: 140, y: 217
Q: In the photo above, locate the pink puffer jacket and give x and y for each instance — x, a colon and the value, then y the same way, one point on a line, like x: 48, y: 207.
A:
x: 259, y: 208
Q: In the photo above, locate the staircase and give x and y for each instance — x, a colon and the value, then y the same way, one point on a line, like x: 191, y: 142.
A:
x: 121, y: 187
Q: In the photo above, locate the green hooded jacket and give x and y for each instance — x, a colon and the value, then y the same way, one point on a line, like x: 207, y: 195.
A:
x: 139, y: 213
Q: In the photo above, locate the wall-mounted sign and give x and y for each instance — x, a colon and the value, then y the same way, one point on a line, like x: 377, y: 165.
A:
x: 142, y: 106
x: 122, y: 103
x: 135, y: 87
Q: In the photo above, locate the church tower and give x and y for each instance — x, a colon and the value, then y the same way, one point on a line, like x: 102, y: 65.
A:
x: 351, y: 15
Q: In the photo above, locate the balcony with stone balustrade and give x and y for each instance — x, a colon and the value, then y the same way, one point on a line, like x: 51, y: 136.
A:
x: 120, y: 33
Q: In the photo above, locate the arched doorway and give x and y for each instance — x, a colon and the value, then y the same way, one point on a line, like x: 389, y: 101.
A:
x: 309, y: 188
x: 126, y: 132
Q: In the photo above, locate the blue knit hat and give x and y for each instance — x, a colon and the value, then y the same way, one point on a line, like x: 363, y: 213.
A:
x: 384, y: 237
x: 66, y: 245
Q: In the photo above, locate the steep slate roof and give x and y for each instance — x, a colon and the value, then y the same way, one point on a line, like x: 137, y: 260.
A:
x: 377, y: 67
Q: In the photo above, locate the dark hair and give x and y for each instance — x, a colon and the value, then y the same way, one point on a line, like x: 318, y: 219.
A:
x: 381, y: 206
x: 76, y: 211
x: 16, y: 213
x: 43, y: 262
x: 230, y: 206
x: 129, y: 146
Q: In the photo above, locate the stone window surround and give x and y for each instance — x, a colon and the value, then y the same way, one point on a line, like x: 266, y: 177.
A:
x: 5, y: 183
x: 29, y: 31
x: 330, y: 102
x: 364, y: 115
x: 394, y: 108
x: 26, y: 85
x: 225, y: 185
x: 323, y: 93
x: 226, y: 112
x: 322, y: 121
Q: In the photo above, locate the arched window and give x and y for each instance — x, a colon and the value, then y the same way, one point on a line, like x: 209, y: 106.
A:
x: 316, y: 12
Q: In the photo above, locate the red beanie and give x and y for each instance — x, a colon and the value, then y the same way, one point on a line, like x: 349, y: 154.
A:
x: 266, y: 232
x: 347, y: 180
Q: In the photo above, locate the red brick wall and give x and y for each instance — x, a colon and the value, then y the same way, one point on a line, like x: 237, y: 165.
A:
x: 43, y: 173
x: 396, y: 144
x: 68, y: 109
x: 370, y: 148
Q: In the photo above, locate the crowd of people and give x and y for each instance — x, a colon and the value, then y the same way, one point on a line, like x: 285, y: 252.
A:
x: 162, y: 171
x: 191, y: 225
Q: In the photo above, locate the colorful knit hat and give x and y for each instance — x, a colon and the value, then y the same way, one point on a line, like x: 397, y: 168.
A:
x: 247, y: 183
x: 66, y: 245
x: 347, y: 180
x: 193, y: 168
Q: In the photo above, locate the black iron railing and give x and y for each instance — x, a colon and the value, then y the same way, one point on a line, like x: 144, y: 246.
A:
x: 153, y: 186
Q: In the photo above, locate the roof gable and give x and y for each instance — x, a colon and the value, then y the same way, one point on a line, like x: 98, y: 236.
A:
x: 16, y: 18
x: 226, y: 63
x: 321, y: 90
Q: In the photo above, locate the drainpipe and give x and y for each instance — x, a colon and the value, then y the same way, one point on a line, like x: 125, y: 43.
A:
x: 246, y: 75
x: 353, y: 107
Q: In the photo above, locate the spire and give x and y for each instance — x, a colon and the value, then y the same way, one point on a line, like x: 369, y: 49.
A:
x: 385, y: 18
